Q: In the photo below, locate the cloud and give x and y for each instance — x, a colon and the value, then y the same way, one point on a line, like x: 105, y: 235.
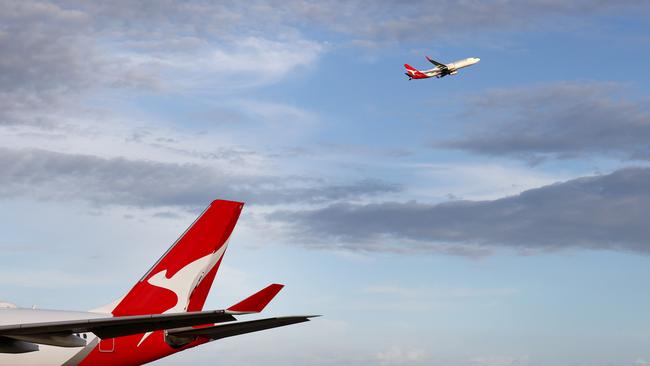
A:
x: 370, y: 21
x: 40, y: 46
x: 45, y: 56
x: 48, y: 175
x: 48, y: 279
x: 402, y: 356
x: 599, y: 212
x: 53, y: 51
x: 563, y: 120
x: 214, y: 64
x: 391, y: 291
x: 500, y: 361
x: 376, y: 22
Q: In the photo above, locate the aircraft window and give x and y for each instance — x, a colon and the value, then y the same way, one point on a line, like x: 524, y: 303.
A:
x: 85, y: 336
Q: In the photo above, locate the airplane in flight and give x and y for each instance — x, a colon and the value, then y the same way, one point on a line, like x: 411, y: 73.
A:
x: 161, y: 315
x: 441, y: 70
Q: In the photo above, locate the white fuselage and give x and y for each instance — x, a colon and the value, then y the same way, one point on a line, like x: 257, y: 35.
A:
x: 452, y: 67
x: 46, y: 355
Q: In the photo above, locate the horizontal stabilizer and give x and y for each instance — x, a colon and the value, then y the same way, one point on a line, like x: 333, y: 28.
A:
x: 180, y: 336
x: 256, y: 302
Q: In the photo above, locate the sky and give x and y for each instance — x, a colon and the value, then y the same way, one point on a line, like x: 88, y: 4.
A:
x: 497, y: 217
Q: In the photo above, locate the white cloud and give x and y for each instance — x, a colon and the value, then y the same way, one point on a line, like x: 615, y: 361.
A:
x: 481, y: 181
x: 49, y: 278
x: 499, y: 361
x: 424, y: 299
x: 403, y: 356
x: 236, y: 63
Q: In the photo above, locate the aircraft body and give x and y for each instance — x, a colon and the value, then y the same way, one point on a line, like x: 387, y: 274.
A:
x: 440, y: 70
x: 161, y: 315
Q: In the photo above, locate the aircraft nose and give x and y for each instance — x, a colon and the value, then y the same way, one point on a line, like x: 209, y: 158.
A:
x: 477, y: 59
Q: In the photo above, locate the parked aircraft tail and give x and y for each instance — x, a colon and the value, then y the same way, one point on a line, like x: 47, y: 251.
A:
x: 181, y: 279
x: 161, y: 314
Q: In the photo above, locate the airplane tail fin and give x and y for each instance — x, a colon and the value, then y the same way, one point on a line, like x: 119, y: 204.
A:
x: 413, y: 73
x: 410, y: 68
x: 182, y: 277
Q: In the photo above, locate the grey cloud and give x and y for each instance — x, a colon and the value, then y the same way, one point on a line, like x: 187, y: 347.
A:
x: 42, y: 46
x: 382, y: 21
x: 374, y: 20
x: 53, y: 49
x: 45, y: 56
x: 564, y: 120
x: 50, y: 175
x: 51, y: 54
x: 600, y: 212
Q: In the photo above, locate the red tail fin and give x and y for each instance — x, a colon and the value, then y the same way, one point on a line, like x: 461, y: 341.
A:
x: 409, y: 67
x: 181, y: 279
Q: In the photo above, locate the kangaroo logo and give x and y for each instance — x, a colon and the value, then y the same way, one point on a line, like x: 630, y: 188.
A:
x: 184, y: 281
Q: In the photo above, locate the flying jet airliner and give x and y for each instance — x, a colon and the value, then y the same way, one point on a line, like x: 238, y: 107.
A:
x: 441, y: 70
x: 161, y: 315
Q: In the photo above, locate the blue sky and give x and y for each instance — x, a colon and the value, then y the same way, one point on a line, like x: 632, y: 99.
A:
x: 496, y: 217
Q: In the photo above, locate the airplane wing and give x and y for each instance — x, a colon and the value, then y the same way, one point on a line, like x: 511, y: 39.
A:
x: 60, y: 333
x: 118, y: 326
x: 439, y: 64
x: 183, y: 336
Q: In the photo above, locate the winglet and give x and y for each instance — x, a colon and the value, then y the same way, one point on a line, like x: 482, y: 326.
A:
x: 435, y: 62
x: 256, y: 302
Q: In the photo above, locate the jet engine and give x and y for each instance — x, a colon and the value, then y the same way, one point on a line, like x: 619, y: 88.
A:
x: 8, y: 345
